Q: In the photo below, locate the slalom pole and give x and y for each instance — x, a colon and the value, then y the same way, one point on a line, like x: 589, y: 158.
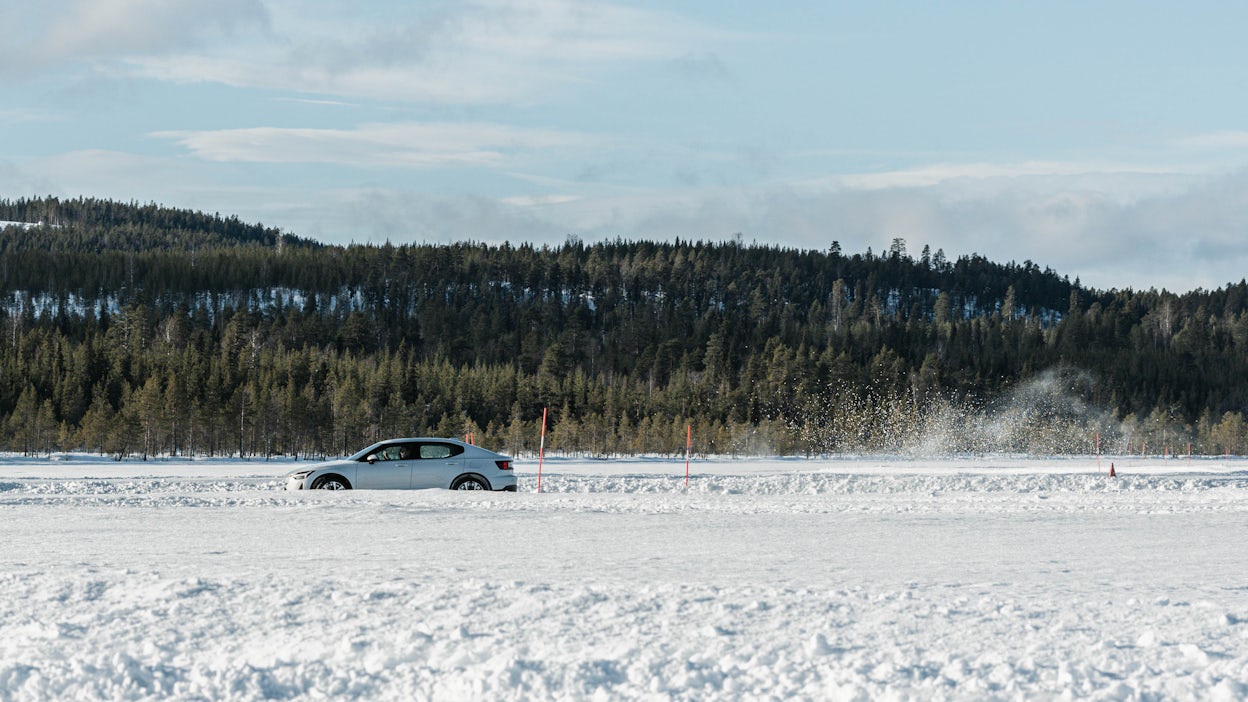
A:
x: 688, y: 450
x: 1098, y: 451
x: 541, y: 451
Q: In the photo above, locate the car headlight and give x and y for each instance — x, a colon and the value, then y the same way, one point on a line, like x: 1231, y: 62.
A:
x: 299, y: 474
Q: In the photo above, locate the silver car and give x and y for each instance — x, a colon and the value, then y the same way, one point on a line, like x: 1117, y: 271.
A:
x: 410, y: 464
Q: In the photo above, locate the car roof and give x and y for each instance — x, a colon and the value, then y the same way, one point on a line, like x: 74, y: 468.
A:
x: 441, y: 439
x: 425, y: 439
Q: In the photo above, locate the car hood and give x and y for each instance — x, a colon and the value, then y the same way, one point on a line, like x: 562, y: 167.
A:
x: 315, y: 467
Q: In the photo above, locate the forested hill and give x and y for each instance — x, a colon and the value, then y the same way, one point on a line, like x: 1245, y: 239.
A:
x: 141, y: 329
x: 98, y: 226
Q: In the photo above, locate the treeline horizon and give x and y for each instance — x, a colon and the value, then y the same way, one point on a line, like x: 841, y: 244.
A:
x: 140, y: 330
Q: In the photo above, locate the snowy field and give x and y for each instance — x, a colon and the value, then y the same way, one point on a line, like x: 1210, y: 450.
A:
x: 976, y: 578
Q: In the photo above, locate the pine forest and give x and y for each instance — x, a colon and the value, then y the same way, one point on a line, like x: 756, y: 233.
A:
x: 139, y: 330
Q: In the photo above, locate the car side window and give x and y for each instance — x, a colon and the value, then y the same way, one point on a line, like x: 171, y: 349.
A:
x: 435, y: 451
x: 388, y: 453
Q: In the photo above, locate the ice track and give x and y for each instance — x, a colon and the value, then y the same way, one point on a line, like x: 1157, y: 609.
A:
x: 852, y: 579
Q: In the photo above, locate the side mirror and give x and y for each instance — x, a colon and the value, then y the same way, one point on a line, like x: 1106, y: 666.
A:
x: 372, y: 458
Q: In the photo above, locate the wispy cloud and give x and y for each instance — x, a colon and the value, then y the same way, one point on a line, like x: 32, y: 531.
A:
x: 53, y: 33
x: 939, y: 173
x: 1216, y: 140
x: 383, y: 145
x: 15, y: 115
x: 474, y: 52
x: 539, y: 200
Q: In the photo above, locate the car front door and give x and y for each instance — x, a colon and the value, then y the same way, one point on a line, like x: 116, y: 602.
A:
x: 387, y: 468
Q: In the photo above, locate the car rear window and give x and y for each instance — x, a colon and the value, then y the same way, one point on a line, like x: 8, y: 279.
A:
x: 440, y: 450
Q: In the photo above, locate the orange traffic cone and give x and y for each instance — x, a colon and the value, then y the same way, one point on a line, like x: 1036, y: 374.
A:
x: 1112, y: 474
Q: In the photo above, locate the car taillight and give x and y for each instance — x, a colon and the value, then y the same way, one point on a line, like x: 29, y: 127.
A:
x: 503, y: 465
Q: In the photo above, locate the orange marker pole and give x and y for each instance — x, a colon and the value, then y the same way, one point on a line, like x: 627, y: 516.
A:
x: 688, y: 449
x: 541, y: 451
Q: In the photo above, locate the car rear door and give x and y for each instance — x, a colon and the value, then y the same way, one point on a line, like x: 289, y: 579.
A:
x: 437, y: 466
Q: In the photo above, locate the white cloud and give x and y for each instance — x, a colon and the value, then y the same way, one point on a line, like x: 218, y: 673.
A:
x: 944, y: 173
x: 539, y: 200
x: 1215, y: 140
x: 55, y: 32
x: 399, y: 144
x: 16, y: 181
x: 107, y: 173
x: 470, y: 81
x: 17, y: 115
x: 476, y: 52
x: 377, y: 215
x: 112, y: 27
x: 572, y: 30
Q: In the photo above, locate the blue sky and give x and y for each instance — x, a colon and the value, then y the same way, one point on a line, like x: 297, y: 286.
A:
x: 1107, y: 140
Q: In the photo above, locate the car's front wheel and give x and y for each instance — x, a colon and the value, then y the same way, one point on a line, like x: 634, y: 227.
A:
x: 330, y: 482
x: 470, y: 482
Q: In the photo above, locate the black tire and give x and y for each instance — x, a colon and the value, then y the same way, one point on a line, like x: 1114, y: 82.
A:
x: 470, y: 482
x: 331, y: 482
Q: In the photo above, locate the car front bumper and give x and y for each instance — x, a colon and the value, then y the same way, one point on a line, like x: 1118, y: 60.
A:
x: 293, y: 483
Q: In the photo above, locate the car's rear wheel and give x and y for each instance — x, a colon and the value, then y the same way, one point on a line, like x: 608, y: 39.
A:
x: 470, y: 482
x: 330, y: 482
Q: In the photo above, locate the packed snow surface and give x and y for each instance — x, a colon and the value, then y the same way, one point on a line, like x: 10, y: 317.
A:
x: 975, y: 578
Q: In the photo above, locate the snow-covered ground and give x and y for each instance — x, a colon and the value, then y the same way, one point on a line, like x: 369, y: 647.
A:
x: 976, y: 578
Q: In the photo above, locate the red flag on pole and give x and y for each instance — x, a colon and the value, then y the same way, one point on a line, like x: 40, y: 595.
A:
x: 541, y: 451
x: 688, y: 449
